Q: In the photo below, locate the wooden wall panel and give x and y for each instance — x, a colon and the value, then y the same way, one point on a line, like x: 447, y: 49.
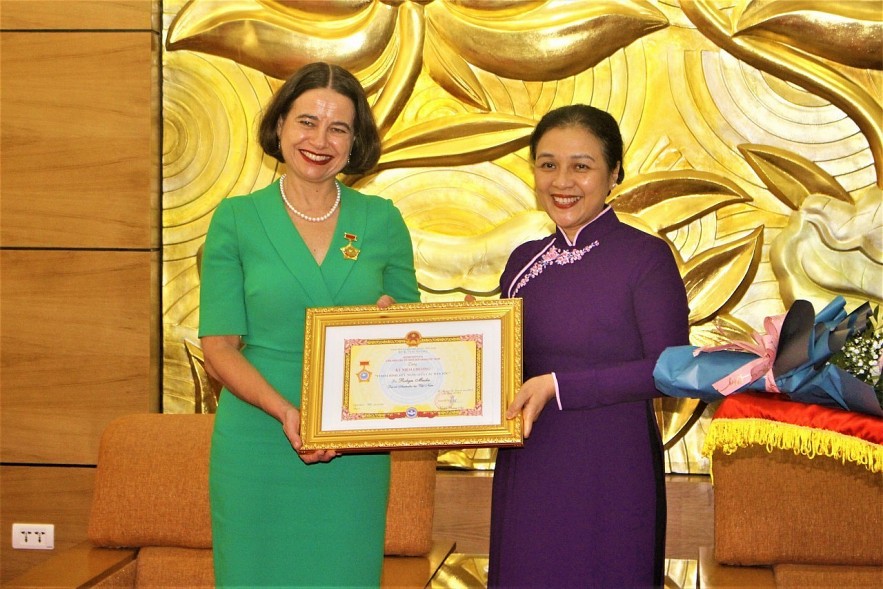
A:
x: 78, y: 14
x: 79, y: 249
x: 43, y: 495
x: 690, y: 522
x: 79, y: 346
x: 463, y: 512
x: 80, y: 143
x: 463, y: 509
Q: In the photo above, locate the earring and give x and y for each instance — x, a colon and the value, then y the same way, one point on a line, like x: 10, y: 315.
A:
x: 279, y: 144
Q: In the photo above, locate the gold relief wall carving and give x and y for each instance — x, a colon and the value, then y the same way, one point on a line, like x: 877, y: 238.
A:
x: 752, y: 128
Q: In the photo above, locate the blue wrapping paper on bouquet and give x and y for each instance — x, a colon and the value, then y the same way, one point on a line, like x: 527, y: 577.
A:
x: 791, y: 358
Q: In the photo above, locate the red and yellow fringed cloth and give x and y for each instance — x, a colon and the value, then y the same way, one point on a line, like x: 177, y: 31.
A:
x: 810, y: 430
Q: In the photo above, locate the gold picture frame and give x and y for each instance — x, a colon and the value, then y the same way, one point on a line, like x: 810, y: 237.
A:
x: 414, y: 375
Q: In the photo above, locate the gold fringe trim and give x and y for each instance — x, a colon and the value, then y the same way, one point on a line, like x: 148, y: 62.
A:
x: 731, y: 434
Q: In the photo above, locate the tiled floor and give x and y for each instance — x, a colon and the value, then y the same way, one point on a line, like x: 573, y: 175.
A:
x: 462, y: 571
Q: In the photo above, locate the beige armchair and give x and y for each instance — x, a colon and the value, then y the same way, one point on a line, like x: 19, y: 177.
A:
x: 150, y: 525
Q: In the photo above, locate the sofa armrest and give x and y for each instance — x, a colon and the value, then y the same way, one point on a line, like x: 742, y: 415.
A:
x: 82, y: 565
x: 713, y: 574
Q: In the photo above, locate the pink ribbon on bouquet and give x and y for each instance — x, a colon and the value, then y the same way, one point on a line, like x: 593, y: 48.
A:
x: 764, y: 347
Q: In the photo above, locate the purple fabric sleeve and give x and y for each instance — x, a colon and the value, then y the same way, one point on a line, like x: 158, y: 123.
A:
x: 661, y: 310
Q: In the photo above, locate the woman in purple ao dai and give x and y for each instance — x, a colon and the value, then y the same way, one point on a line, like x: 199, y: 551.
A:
x: 582, y: 504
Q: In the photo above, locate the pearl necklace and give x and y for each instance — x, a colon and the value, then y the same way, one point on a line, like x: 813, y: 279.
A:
x: 300, y: 214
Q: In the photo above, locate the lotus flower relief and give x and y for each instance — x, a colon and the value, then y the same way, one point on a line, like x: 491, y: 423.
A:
x: 540, y: 39
x: 833, y: 242
x: 388, y: 43
x: 806, y: 43
x: 849, y: 33
x: 832, y: 246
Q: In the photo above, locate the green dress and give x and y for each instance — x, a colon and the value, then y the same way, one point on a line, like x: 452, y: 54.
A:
x: 277, y: 522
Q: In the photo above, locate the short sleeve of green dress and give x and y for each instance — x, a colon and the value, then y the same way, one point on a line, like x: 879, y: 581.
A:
x: 275, y: 521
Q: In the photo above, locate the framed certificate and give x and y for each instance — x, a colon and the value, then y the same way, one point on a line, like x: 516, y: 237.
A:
x: 414, y: 375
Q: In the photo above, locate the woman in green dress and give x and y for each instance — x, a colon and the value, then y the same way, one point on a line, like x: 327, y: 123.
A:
x: 281, y: 518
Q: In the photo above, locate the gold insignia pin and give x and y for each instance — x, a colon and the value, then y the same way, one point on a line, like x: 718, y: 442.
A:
x: 350, y: 252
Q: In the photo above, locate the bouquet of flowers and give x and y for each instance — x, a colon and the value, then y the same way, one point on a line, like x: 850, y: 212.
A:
x: 793, y: 357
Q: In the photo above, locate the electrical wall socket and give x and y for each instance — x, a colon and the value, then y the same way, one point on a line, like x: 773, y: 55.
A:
x: 33, y: 536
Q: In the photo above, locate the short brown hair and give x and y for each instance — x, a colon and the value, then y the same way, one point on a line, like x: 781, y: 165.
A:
x: 366, y: 139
